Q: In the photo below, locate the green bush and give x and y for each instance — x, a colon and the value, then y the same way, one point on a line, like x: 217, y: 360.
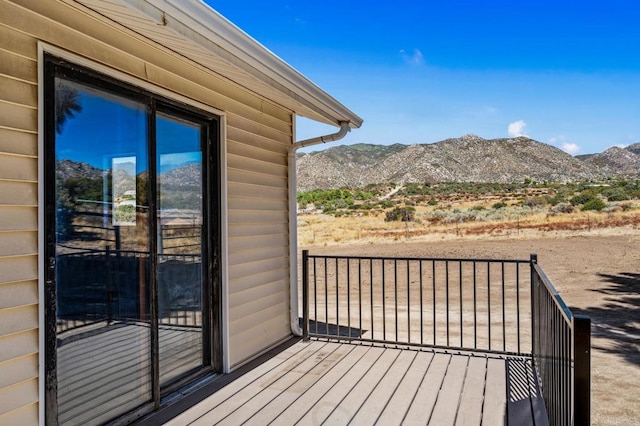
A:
x: 499, y: 205
x: 404, y: 214
x: 594, y: 204
x: 582, y: 198
x: 615, y: 194
x: 559, y: 197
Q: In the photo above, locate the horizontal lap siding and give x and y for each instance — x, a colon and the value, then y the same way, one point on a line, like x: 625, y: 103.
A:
x: 258, y: 135
x: 258, y: 243
x: 18, y: 228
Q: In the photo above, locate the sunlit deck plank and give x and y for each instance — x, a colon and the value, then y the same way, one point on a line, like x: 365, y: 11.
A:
x: 273, y: 398
x: 312, y: 388
x: 446, y: 408
x: 495, y: 398
x: 427, y: 393
x: 359, y: 393
x: 470, y: 410
x: 197, y: 413
x: 401, y: 401
x: 233, y: 398
x: 333, y: 399
x: 376, y: 401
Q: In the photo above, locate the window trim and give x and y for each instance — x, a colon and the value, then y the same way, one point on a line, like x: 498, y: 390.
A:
x: 215, y: 197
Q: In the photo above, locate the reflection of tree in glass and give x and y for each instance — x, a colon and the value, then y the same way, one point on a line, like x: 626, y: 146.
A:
x: 67, y: 105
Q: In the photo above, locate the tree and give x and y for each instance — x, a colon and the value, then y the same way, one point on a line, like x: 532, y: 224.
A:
x: 67, y: 105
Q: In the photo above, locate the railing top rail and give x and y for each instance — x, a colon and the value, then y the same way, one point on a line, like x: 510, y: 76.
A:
x: 426, y: 259
x: 564, y: 309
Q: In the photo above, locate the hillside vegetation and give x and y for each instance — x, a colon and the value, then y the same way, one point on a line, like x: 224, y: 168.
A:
x: 417, y: 210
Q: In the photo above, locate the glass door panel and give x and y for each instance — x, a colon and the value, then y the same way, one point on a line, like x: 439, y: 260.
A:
x: 180, y: 246
x: 101, y: 254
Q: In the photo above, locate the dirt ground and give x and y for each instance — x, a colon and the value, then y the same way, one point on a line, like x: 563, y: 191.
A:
x: 597, y: 275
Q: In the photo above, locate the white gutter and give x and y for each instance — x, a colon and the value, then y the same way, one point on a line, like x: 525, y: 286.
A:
x: 293, y: 218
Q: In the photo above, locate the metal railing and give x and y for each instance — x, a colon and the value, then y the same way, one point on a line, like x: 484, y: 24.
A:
x: 483, y: 305
x: 468, y: 304
x: 561, y: 353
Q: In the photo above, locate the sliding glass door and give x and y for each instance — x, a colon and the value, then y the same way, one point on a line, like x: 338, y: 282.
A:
x: 179, y: 249
x: 130, y: 197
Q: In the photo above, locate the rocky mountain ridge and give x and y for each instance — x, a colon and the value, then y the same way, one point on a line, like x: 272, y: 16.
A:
x: 469, y: 158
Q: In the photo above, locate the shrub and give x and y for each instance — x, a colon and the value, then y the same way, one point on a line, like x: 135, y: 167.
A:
x: 404, y: 214
x: 562, y: 208
x: 582, y: 198
x: 626, y: 206
x: 594, y: 204
x: 432, y: 202
x: 499, y: 205
x: 535, y: 202
x: 477, y: 208
x: 560, y: 197
x: 615, y: 194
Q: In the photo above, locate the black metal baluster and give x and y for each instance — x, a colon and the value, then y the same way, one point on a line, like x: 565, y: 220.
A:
x: 504, y: 324
x: 489, y: 301
x: 518, y: 304
x: 408, y: 302
x: 446, y: 283
x: 475, y: 309
x: 384, y: 307
x: 461, y: 331
x: 433, y: 287
x: 421, y: 306
x: 349, y: 297
x: 395, y: 293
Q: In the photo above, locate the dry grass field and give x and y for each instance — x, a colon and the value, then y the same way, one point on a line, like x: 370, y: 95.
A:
x: 593, y: 260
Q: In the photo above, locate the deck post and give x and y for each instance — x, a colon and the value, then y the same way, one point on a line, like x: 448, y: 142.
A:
x: 305, y: 295
x: 533, y: 258
x: 582, y: 369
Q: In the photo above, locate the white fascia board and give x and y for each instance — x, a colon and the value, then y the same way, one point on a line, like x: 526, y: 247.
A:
x: 203, y: 25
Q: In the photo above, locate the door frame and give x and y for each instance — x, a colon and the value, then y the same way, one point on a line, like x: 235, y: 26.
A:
x: 216, y: 206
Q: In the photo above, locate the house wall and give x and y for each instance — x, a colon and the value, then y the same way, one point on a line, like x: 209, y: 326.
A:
x: 258, y: 134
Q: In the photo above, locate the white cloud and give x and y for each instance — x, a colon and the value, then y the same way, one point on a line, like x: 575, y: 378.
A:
x: 413, y: 58
x: 516, y: 129
x: 562, y: 143
x: 570, y: 147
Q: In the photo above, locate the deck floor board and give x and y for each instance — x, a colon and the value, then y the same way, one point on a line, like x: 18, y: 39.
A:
x: 318, y: 382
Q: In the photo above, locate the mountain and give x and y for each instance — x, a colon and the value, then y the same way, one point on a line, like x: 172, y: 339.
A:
x: 469, y: 158
x: 616, y: 161
x: 68, y: 168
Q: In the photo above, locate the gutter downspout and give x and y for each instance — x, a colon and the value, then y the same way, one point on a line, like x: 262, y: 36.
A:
x: 293, y: 218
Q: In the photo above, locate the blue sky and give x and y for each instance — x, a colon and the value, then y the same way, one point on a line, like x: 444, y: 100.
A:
x: 562, y: 72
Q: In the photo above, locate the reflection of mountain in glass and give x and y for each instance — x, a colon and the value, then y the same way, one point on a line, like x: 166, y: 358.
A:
x: 123, y: 182
x: 181, y: 188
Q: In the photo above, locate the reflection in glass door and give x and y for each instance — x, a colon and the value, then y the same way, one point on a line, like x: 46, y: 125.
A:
x: 103, y: 326
x: 180, y: 249
x: 129, y: 221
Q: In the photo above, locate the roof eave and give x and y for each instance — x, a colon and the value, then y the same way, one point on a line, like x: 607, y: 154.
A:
x: 205, y: 27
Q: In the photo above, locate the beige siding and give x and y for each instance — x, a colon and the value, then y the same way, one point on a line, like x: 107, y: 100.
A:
x: 18, y: 229
x: 258, y: 133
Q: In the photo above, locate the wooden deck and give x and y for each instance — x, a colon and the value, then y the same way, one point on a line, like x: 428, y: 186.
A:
x: 319, y: 382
